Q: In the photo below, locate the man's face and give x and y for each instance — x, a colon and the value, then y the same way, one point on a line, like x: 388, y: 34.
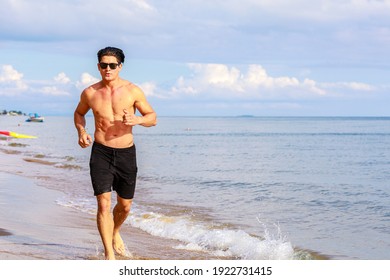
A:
x: 106, y: 68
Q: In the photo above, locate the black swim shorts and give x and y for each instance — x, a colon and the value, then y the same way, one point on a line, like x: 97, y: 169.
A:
x: 113, y: 169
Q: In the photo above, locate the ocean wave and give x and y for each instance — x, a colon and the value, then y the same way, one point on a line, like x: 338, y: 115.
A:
x: 68, y: 166
x: 195, y: 235
x: 53, y: 161
x: 221, y: 242
x: 18, y: 145
x: 39, y: 161
x: 10, y: 152
x: 84, y: 205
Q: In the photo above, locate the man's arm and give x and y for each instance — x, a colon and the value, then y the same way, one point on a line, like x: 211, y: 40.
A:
x: 149, y: 116
x: 79, y: 121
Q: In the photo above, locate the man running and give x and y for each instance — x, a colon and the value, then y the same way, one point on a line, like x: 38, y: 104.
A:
x: 113, y: 164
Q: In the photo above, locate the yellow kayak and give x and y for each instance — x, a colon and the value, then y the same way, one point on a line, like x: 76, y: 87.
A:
x: 16, y: 135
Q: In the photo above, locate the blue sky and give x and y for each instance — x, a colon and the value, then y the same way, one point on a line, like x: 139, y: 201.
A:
x: 202, y: 58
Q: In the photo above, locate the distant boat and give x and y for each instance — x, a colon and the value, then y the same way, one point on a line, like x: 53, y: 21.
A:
x: 35, y: 118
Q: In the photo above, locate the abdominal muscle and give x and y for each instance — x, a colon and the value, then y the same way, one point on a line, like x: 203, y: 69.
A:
x: 112, y: 132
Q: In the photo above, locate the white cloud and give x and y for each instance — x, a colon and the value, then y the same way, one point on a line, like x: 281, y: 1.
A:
x: 11, y: 81
x: 149, y: 89
x: 323, y: 37
x: 8, y: 73
x: 357, y: 86
x: 62, y: 78
x: 229, y: 82
x: 258, y: 77
x: 219, y: 81
x: 222, y: 31
x: 217, y: 75
x: 182, y: 87
x: 54, y: 91
x: 86, y: 80
x: 60, y: 85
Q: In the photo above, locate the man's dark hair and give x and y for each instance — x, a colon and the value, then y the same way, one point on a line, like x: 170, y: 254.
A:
x: 111, y: 51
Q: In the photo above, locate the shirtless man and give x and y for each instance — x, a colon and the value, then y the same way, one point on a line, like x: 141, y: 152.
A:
x: 113, y: 163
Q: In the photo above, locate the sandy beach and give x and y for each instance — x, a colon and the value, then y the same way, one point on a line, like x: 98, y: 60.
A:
x: 34, y: 227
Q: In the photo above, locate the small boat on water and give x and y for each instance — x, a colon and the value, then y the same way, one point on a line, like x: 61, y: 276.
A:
x: 35, y: 118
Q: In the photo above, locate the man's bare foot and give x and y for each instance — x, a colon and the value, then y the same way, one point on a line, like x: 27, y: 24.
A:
x: 119, y: 245
x: 110, y: 257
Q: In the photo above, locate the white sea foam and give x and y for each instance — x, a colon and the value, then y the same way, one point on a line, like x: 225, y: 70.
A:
x: 85, y: 205
x: 220, y: 242
x: 199, y: 236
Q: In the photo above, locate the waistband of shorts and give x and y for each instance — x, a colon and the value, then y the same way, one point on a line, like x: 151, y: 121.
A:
x: 111, y: 149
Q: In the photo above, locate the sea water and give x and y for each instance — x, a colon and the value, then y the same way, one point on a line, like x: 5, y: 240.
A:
x: 238, y: 187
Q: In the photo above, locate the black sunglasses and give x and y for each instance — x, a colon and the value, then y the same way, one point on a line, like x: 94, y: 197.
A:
x: 104, y: 65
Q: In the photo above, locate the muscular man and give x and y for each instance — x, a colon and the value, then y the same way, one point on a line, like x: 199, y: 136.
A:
x: 113, y: 164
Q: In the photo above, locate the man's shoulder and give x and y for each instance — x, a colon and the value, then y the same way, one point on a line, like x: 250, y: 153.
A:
x: 92, y: 88
x: 131, y: 87
x: 128, y: 84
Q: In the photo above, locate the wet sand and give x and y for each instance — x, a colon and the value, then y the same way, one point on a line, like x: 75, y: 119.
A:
x: 34, y: 226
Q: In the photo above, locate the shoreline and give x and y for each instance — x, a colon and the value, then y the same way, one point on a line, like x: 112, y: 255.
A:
x: 35, y: 227
x: 40, y: 182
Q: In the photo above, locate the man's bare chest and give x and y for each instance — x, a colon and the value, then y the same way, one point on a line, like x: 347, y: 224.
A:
x: 115, y: 102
